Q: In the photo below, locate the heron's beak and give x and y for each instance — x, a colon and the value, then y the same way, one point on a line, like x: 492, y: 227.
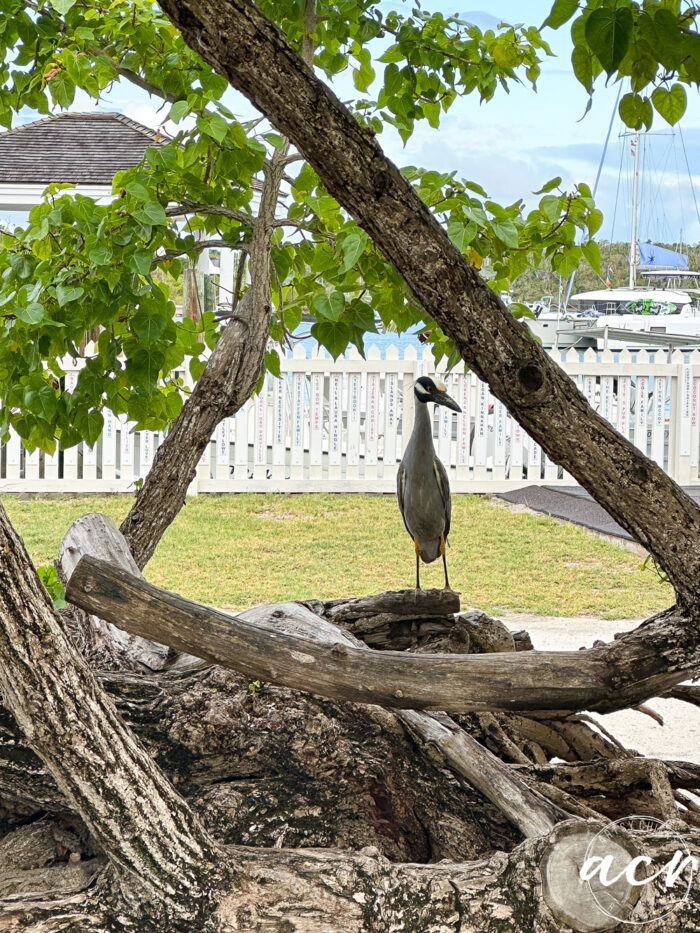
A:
x: 442, y: 398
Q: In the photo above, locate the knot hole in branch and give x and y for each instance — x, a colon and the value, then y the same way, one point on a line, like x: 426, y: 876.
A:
x: 531, y: 377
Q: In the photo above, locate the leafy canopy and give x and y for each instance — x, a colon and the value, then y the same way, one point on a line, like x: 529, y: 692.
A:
x: 655, y: 44
x: 79, y: 269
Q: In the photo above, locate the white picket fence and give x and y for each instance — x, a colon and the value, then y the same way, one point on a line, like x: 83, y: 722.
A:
x: 341, y: 427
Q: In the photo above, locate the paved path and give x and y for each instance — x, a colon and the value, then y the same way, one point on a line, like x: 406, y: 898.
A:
x: 678, y: 738
x: 573, y: 504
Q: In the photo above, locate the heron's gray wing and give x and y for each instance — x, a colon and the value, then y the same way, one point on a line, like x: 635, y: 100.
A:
x: 444, y: 487
x: 400, y: 491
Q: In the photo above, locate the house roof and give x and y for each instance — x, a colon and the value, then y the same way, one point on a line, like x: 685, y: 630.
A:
x: 80, y: 148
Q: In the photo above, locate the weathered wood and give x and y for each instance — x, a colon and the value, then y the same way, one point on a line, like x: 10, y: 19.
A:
x: 145, y: 828
x: 687, y: 693
x: 97, y: 534
x: 570, y: 901
x: 438, y: 736
x: 404, y: 604
x: 272, y: 766
x: 321, y: 891
x: 533, y: 814
x: 608, y: 677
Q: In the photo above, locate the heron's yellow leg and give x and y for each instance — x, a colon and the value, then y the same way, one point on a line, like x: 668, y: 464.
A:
x: 416, y: 544
x: 444, y: 561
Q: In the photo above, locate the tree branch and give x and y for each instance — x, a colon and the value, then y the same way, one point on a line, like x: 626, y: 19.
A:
x: 218, y: 210
x: 605, y: 678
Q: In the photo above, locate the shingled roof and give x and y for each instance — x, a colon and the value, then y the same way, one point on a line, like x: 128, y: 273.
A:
x: 81, y: 148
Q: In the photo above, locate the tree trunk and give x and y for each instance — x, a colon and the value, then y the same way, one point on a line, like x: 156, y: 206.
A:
x: 153, y: 842
x: 304, y: 890
x: 226, y: 384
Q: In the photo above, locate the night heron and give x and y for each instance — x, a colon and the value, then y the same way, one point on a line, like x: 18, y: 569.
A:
x: 422, y: 486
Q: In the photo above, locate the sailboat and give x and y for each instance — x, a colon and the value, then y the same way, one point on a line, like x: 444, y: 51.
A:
x: 663, y: 311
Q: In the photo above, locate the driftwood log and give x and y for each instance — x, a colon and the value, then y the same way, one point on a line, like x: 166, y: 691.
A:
x: 638, y: 665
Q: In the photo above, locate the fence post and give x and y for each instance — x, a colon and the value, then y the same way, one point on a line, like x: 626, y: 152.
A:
x: 682, y: 395
x: 391, y: 410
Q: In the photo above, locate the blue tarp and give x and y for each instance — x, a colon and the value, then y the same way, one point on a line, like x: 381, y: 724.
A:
x: 658, y: 256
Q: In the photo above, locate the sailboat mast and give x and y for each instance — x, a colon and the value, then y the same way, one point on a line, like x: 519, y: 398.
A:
x: 633, y: 235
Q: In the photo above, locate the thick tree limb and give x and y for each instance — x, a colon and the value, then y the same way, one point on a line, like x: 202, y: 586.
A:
x: 146, y: 829
x: 603, y: 678
x: 241, y: 43
x: 304, y: 890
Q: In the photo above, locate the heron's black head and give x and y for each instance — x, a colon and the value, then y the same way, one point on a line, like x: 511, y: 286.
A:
x: 432, y: 390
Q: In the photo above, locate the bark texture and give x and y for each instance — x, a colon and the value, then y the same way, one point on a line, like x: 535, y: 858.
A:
x: 636, y: 666
x: 312, y: 891
x: 244, y: 46
x: 152, y: 839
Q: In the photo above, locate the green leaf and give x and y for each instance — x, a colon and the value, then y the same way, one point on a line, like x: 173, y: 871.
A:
x: 456, y: 230
x: 214, y: 125
x: 519, y: 310
x: 561, y: 12
x: 66, y: 293
x: 609, y: 33
x: 635, y: 111
x: 333, y: 335
x: 62, y: 89
x: 592, y: 253
x: 100, y: 255
x: 41, y: 401
x: 179, y: 110
x: 392, y: 54
x: 329, y: 306
x: 42, y: 248
x: 173, y: 404
x: 582, y: 63
x: 551, y: 205
x: 595, y: 220
x: 90, y: 424
x: 54, y: 587
x: 152, y: 212
x: 32, y: 314
x: 148, y: 325
x: 272, y: 361
x: 670, y: 104
x: 506, y: 231
x: 138, y: 191
x: 352, y: 247
x: 275, y: 140
x: 549, y: 186
x: 140, y: 261
x: 62, y: 6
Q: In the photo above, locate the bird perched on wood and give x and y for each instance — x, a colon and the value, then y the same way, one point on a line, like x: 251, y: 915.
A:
x: 422, y: 486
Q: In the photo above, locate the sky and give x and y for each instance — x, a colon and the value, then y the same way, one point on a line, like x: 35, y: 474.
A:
x: 517, y: 141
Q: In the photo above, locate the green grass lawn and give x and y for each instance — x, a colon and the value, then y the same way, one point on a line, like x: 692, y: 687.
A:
x: 237, y: 551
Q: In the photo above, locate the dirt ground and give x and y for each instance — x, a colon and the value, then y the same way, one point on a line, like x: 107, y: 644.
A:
x: 677, y: 739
